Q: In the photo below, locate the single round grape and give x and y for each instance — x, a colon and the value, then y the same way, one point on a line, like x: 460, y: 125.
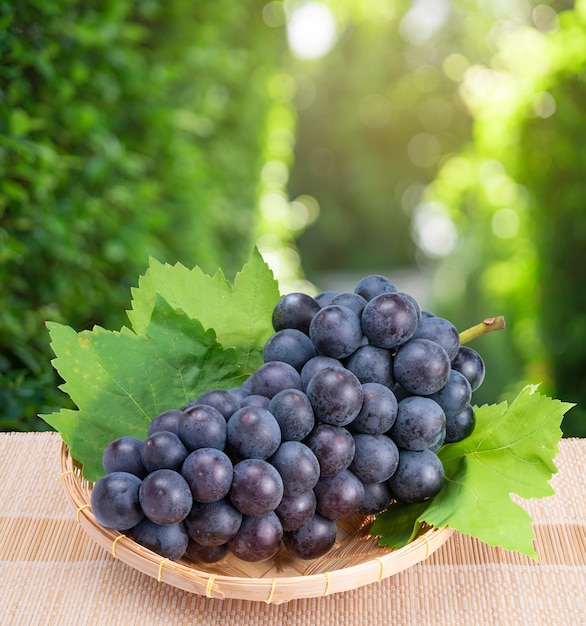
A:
x: 213, y: 523
x: 220, y: 399
x: 312, y: 540
x: 414, y: 303
x: 253, y: 433
x: 163, y: 450
x: 255, y: 400
x: 372, y: 365
x: 274, y: 376
x: 376, y: 458
x: 294, y: 310
x: 313, y: 366
x: 419, y: 476
x: 340, y: 496
x: 378, y: 412
x: 420, y: 423
x: 294, y: 414
x: 335, y: 395
x: 205, y: 554
x: 203, y: 426
x: 290, y: 346
x: 421, y: 367
x: 470, y: 363
x: 258, y: 538
x: 167, y: 420
x: 165, y: 497
x: 389, y: 320
x: 325, y: 297
x: 169, y: 541
x: 333, y: 447
x: 455, y: 395
x: 335, y: 331
x: 373, y: 285
x: 296, y: 510
x: 377, y: 497
x: 298, y: 467
x: 461, y: 425
x: 124, y: 455
x: 441, y: 331
x: 208, y: 472
x: 257, y: 487
x: 351, y: 300
x: 115, y: 500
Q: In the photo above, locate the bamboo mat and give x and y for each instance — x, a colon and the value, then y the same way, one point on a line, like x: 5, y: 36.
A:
x: 51, y: 572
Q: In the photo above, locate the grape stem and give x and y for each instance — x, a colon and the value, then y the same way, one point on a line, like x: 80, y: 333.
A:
x: 486, y: 326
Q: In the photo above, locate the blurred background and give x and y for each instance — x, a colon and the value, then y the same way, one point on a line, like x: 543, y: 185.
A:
x: 439, y: 142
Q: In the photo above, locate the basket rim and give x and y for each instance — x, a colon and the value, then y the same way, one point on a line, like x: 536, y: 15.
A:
x: 275, y: 590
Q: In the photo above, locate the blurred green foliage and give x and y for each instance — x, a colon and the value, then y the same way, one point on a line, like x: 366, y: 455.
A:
x: 517, y: 194
x: 128, y: 129
x: 448, y: 136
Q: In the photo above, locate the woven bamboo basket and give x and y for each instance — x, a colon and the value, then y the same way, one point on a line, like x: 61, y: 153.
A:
x: 355, y: 560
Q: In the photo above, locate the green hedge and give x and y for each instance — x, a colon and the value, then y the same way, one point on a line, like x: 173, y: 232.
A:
x: 128, y: 129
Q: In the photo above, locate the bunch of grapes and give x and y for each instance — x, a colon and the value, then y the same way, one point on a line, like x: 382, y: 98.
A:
x: 357, y: 393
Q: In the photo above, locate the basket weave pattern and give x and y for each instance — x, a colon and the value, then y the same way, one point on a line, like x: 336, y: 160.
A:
x: 355, y: 560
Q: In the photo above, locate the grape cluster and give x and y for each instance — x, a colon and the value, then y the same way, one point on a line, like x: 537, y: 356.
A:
x: 357, y: 393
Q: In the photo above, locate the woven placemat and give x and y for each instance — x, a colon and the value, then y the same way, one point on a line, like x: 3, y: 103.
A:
x: 51, y: 572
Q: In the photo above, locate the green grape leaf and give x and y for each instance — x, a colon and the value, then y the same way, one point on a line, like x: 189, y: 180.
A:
x: 240, y: 314
x: 120, y: 381
x: 511, y: 451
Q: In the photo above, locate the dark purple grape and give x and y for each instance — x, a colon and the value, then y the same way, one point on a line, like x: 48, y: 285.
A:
x: 258, y: 538
x: 165, y: 497
x: 455, y: 395
x: 253, y: 433
x: 373, y: 285
x: 115, y: 501
x: 294, y: 310
x: 312, y: 540
x: 325, y: 297
x: 335, y: 331
x: 419, y: 476
x: 470, y: 363
x: 294, y: 414
x: 378, y: 412
x: 208, y: 472
x: 420, y: 424
x: 421, y: 367
x: 351, y: 300
x: 377, y: 497
x: 333, y: 447
x: 257, y: 487
x: 298, y: 467
x: 290, y: 346
x: 340, y: 496
x: 376, y: 458
x: 213, y: 523
x: 335, y: 395
x: 124, y: 455
x: 163, y: 450
x: 372, y: 365
x: 461, y: 425
x: 167, y: 420
x: 220, y: 399
x: 313, y: 366
x: 296, y: 510
x: 441, y: 331
x: 203, y: 426
x: 389, y: 320
x: 169, y: 541
x: 414, y: 303
x: 205, y: 554
x: 255, y: 400
x: 238, y: 393
x: 274, y: 376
